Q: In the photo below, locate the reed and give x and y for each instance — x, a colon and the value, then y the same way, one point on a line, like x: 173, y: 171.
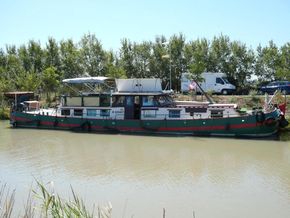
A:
x: 43, y: 202
x: 7, y: 199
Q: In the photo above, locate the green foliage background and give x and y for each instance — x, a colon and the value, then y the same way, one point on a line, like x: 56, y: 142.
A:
x: 40, y: 68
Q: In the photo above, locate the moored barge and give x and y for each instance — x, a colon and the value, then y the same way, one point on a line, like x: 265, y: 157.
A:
x: 140, y: 106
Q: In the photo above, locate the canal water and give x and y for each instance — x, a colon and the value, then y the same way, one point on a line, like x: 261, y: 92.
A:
x: 141, y: 175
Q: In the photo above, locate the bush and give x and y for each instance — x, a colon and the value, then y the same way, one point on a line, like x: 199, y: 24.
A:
x: 4, y: 113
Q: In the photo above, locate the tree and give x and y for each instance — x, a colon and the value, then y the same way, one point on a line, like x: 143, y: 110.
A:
x: 24, y: 58
x: 112, y: 66
x: 50, y: 81
x: 158, y: 65
x: 52, y: 55
x: 127, y: 58
x: 219, y: 54
x: 92, y: 55
x: 176, y: 46
x: 241, y: 65
x: 267, y: 62
x: 27, y: 81
x: 3, y: 59
x: 283, y: 70
x: 141, y: 57
x: 70, y: 59
x: 35, y: 54
x: 13, y: 64
x: 197, y: 58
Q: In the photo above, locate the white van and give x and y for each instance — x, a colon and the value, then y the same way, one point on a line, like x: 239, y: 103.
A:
x: 214, y: 82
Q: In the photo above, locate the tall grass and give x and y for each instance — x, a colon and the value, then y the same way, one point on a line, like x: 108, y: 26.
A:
x: 6, y: 201
x: 43, y: 202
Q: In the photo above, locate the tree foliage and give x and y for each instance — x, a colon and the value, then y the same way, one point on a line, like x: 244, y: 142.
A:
x: 35, y: 67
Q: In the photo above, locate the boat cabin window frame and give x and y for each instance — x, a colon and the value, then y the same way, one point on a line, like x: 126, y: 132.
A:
x: 118, y: 101
x: 78, y: 112
x: 174, y: 113
x: 91, y: 112
x: 65, y: 112
x: 152, y: 113
x: 148, y: 101
x: 217, y: 113
x: 105, y: 100
x: 105, y: 112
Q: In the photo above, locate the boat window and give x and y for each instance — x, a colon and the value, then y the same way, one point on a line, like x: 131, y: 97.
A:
x: 149, y: 113
x: 129, y: 100
x: 91, y: 113
x: 78, y: 112
x: 220, y: 81
x: 65, y: 112
x: 105, y: 113
x: 74, y: 101
x: 149, y: 101
x: 91, y: 101
x: 174, y: 113
x: 104, y: 100
x: 216, y: 113
x: 118, y: 101
x: 165, y: 100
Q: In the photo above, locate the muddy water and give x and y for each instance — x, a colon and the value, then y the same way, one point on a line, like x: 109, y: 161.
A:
x: 141, y: 175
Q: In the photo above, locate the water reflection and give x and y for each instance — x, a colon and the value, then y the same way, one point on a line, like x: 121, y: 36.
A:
x: 234, y: 178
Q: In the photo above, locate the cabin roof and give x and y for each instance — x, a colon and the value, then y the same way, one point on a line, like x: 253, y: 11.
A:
x: 17, y: 93
x: 81, y: 80
x: 139, y: 85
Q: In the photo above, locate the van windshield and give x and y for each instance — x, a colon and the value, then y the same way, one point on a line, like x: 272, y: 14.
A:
x: 226, y: 80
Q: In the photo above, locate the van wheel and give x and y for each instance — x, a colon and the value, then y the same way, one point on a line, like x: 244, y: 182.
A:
x: 284, y: 92
x: 224, y: 92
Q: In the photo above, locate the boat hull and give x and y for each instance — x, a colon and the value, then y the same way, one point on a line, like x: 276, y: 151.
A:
x: 245, y: 126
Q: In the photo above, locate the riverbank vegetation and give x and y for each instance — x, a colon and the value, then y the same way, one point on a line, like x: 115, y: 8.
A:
x: 35, y: 67
x: 42, y: 201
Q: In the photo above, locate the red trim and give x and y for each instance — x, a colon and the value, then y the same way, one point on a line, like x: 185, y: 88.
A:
x: 125, y: 128
x: 21, y: 119
x: 207, y: 128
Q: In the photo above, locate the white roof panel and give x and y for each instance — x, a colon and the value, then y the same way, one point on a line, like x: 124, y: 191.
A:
x: 138, y: 85
x: 98, y: 79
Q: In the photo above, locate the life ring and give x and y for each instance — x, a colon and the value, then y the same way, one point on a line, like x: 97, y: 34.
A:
x: 260, y: 116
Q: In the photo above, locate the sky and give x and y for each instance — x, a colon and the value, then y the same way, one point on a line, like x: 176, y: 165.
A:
x: 249, y: 21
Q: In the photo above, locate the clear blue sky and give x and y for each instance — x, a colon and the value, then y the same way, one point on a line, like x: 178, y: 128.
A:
x: 249, y: 21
